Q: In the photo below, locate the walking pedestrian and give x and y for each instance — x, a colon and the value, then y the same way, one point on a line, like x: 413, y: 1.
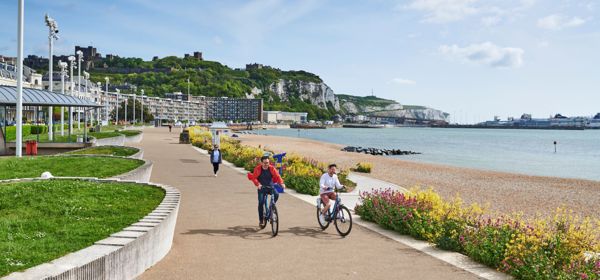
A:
x: 215, y: 159
x: 170, y: 128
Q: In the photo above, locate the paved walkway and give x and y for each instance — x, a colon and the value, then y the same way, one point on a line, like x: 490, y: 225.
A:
x: 217, y: 236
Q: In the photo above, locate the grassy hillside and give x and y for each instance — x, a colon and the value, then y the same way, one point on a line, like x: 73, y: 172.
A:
x: 365, y: 100
x: 210, y: 78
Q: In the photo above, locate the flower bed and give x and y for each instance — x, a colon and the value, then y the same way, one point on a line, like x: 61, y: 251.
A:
x: 301, y: 174
x: 538, y: 248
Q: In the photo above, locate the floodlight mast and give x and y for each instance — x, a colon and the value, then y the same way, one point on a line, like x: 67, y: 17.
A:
x: 63, y: 73
x: 52, y: 35
x: 72, y: 84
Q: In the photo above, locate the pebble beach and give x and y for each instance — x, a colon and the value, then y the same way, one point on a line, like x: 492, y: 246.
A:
x: 499, y: 191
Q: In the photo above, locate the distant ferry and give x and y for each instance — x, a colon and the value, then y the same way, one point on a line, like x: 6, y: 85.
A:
x: 527, y: 122
x: 366, y: 125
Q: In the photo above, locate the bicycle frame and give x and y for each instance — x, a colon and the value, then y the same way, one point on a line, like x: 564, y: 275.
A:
x: 269, y: 201
x: 336, y: 207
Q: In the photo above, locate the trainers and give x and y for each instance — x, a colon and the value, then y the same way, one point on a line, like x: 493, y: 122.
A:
x: 215, y: 174
x: 322, y: 218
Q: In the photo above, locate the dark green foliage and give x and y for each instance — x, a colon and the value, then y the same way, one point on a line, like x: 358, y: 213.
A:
x: 210, y: 78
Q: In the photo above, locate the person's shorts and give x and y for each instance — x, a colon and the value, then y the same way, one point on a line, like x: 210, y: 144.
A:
x: 325, y: 197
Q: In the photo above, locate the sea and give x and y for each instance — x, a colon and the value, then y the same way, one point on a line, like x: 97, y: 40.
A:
x: 530, y: 152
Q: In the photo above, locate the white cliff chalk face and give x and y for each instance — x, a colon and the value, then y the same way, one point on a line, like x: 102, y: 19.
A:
x: 316, y: 93
x: 320, y: 94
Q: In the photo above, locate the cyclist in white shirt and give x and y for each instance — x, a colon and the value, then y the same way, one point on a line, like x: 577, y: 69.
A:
x: 328, y: 183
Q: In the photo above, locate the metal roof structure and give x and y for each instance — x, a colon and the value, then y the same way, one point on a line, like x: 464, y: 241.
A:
x: 38, y: 97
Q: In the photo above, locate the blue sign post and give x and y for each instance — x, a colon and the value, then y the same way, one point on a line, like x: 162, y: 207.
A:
x: 279, y: 163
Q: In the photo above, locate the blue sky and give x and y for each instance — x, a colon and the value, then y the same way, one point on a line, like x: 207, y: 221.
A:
x: 471, y: 58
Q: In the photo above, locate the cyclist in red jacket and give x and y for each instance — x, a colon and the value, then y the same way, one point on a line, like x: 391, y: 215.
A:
x: 265, y: 175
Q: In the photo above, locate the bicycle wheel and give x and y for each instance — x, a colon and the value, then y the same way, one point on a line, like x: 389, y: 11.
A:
x: 323, y: 224
x: 274, y: 221
x: 343, y: 221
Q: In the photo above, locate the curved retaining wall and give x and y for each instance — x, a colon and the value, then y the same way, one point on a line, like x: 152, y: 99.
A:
x: 135, y: 139
x: 141, y: 174
x: 139, y: 154
x: 112, y: 141
x: 123, y: 255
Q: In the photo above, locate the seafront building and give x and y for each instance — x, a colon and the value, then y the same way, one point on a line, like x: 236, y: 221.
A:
x: 174, y: 107
x: 284, y: 117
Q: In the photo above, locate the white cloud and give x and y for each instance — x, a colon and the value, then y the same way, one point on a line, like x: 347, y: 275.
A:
x: 442, y: 11
x: 486, y: 54
x: 491, y: 20
x: 558, y: 22
x: 402, y: 81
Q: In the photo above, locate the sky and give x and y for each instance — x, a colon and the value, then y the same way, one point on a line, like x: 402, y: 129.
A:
x: 471, y: 58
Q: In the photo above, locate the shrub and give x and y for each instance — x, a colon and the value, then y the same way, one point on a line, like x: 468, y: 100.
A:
x: 538, y: 248
x: 38, y: 129
x: 301, y: 174
x: 363, y: 167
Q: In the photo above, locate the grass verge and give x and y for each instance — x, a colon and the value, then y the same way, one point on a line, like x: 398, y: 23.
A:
x: 44, y: 220
x: 118, y: 151
x: 72, y: 166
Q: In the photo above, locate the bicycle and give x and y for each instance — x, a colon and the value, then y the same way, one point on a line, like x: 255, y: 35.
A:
x: 340, y: 216
x: 270, y: 213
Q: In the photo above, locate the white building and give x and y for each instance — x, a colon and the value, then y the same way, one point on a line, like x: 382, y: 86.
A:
x: 284, y: 117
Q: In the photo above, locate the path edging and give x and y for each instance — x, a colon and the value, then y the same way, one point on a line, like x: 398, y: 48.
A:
x: 125, y: 254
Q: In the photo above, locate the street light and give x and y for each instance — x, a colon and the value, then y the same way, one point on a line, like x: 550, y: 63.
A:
x: 107, y: 79
x: 134, y: 91
x: 86, y: 77
x: 117, y: 115
x: 19, y: 103
x: 142, y: 110
x: 53, y: 35
x: 72, y: 84
x: 79, y: 59
x: 63, y: 72
x: 99, y: 84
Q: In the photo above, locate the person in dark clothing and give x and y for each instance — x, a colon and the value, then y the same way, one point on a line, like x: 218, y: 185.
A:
x: 215, y: 158
x: 265, y: 174
x: 170, y: 127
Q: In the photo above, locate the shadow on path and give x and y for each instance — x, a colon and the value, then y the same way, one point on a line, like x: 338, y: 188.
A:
x: 253, y: 232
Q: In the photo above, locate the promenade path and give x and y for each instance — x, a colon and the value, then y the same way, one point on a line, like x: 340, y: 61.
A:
x: 217, y: 235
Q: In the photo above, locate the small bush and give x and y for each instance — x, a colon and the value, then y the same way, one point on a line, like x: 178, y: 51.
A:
x: 38, y: 129
x: 363, y: 167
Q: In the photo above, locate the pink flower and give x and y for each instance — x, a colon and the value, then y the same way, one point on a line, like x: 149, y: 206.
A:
x: 583, y: 275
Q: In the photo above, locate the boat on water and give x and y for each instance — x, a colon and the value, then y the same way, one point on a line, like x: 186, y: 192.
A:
x: 365, y: 125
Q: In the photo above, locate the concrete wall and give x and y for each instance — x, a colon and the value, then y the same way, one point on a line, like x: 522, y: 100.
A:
x: 141, y: 174
x: 138, y: 155
x: 113, y: 141
x: 50, y: 148
x: 135, y: 139
x: 123, y: 255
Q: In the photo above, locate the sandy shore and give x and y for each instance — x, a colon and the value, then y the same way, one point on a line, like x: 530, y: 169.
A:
x: 504, y: 192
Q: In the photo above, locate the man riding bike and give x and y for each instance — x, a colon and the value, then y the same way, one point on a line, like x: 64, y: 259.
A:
x: 264, y: 177
x: 328, y: 183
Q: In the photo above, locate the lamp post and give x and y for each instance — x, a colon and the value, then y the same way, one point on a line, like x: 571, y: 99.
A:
x: 63, y: 73
x: 19, y: 132
x: 126, y: 101
x: 53, y: 30
x: 86, y: 77
x: 79, y: 59
x: 106, y: 99
x: 72, y: 84
x: 99, y: 117
x: 118, y: 105
x: 134, y: 94
x: 142, y: 109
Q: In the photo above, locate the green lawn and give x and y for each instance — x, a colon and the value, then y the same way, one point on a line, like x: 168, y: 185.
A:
x: 76, y: 166
x: 44, y: 220
x: 107, y: 150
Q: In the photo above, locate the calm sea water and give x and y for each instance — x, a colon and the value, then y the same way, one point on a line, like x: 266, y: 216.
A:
x: 518, y: 151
